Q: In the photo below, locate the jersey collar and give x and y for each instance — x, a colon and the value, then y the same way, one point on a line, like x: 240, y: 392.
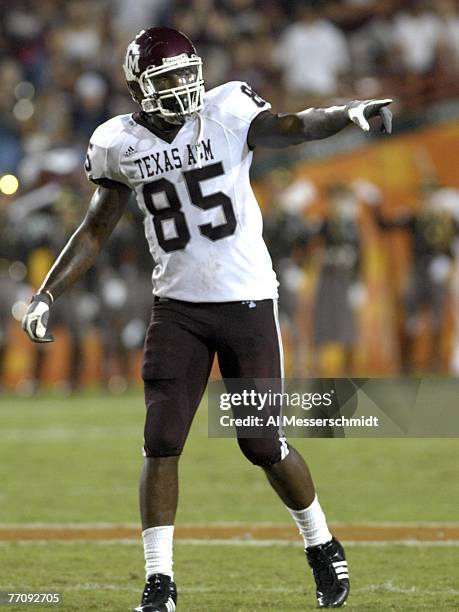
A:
x: 166, y: 135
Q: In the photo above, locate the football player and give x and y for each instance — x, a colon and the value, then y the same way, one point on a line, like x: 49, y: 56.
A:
x: 434, y: 231
x: 186, y: 154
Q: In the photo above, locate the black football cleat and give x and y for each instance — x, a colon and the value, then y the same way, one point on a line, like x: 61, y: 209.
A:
x: 329, y: 567
x: 159, y: 595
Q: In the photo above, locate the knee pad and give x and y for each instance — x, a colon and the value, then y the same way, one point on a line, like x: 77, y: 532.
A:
x: 264, y: 452
x: 162, y: 446
x: 163, y: 436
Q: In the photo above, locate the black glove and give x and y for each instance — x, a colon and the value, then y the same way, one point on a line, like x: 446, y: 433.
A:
x: 35, y: 320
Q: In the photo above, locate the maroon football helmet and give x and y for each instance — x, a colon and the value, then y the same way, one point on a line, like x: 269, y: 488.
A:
x: 164, y: 73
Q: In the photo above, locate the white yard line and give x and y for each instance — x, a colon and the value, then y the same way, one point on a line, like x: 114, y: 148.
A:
x: 231, y: 542
x: 212, y: 524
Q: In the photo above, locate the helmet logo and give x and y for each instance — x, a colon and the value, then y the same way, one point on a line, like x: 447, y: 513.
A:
x: 131, y: 66
x: 133, y: 63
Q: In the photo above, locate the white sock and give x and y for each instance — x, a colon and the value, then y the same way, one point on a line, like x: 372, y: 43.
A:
x: 157, y: 546
x: 312, y: 524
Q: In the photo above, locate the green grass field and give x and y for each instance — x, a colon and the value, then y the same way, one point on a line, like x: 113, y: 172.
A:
x: 77, y: 461
x: 236, y: 578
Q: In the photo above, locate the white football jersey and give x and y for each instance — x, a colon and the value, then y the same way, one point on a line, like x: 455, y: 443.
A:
x: 202, y: 221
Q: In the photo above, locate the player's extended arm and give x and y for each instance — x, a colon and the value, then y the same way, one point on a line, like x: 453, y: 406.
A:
x: 78, y: 255
x: 277, y: 131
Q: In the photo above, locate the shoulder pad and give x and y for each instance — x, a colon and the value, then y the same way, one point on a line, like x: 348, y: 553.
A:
x: 238, y: 99
x: 102, y: 159
x: 106, y: 134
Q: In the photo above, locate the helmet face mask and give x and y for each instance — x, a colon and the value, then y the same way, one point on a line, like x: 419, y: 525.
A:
x: 175, y: 90
x: 162, y: 81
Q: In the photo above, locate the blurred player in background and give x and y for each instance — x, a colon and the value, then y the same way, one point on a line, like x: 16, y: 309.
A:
x: 187, y: 156
x: 433, y: 230
x: 285, y: 234
x: 124, y: 291
x: 8, y: 287
x: 43, y: 220
x: 339, y: 286
x: 8, y: 293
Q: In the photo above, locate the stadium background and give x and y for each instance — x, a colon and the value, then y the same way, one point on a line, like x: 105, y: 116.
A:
x: 60, y: 69
x: 70, y: 460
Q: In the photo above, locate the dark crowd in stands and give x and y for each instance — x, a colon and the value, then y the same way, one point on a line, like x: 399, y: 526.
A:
x: 60, y: 61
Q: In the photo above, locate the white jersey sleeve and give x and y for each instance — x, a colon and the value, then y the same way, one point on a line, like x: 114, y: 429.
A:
x: 102, y: 162
x: 238, y: 102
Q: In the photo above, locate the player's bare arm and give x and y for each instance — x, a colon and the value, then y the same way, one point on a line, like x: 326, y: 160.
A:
x: 79, y: 254
x: 277, y: 131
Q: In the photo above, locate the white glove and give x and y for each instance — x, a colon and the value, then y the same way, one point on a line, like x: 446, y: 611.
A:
x: 359, y: 111
x: 35, y: 320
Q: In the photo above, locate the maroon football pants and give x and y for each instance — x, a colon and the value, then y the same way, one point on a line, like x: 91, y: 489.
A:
x: 180, y: 346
